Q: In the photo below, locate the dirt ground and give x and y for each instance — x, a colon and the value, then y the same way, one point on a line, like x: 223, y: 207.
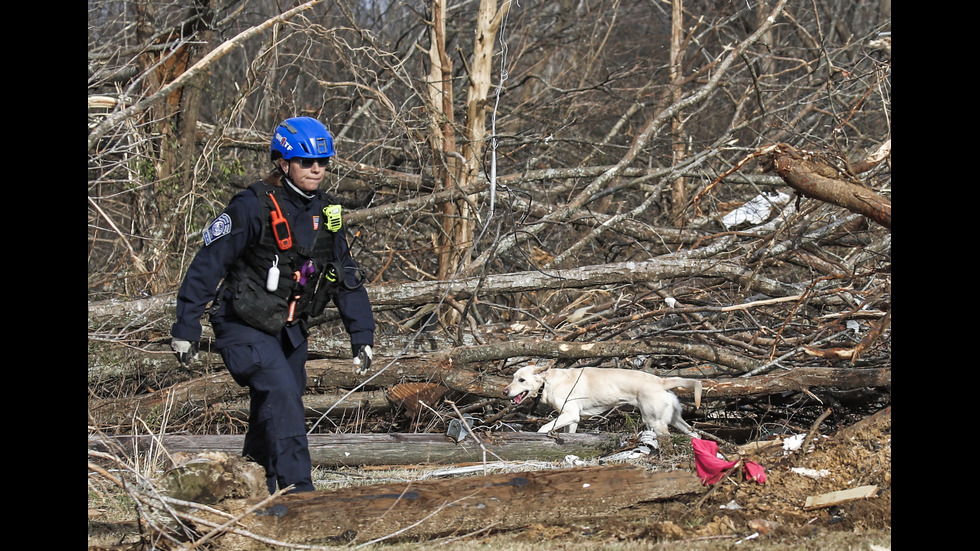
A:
x: 740, y: 514
x: 732, y: 514
x: 770, y: 515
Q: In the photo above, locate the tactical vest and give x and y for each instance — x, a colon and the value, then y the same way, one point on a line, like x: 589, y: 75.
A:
x: 293, y: 300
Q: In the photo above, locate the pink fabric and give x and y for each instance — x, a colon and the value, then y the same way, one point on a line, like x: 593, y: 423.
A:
x: 711, y: 468
x: 754, y: 471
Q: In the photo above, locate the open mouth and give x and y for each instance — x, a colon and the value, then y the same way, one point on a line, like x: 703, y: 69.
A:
x: 517, y: 399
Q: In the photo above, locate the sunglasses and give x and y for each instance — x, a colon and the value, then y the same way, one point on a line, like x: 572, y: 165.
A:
x: 308, y: 163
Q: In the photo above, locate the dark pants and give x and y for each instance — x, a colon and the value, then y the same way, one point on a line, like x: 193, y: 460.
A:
x: 275, y: 374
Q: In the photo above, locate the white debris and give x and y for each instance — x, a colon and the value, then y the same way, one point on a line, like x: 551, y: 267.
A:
x: 574, y: 461
x: 624, y: 455
x: 756, y: 211
x: 648, y: 437
x: 794, y: 442
x: 812, y: 473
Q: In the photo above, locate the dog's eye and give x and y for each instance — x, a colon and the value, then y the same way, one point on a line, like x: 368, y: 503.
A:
x: 521, y: 380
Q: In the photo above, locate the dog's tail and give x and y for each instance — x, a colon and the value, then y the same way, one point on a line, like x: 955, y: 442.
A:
x: 690, y: 384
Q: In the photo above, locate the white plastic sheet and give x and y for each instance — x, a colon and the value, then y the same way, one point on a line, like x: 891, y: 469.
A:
x: 756, y: 211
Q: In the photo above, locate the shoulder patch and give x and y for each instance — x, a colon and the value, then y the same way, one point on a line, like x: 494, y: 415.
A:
x: 221, y: 226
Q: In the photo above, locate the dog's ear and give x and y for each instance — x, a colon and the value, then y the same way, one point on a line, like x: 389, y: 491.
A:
x: 540, y: 367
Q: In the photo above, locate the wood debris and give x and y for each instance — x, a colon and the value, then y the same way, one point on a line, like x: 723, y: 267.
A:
x: 433, y: 508
x: 415, y: 397
x: 842, y: 496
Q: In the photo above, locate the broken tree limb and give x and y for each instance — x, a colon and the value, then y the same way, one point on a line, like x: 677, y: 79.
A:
x: 565, y: 350
x: 217, y: 392
x: 447, y: 367
x: 424, y: 292
x: 355, y: 450
x: 797, y: 380
x: 437, y: 508
x: 230, y: 45
x: 873, y: 159
x: 810, y: 434
x: 817, y: 180
x: 157, y: 312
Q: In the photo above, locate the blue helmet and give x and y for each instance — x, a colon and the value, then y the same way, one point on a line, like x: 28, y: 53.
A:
x: 301, y: 137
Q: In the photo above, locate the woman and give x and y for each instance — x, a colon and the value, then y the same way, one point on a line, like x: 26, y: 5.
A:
x: 273, y: 258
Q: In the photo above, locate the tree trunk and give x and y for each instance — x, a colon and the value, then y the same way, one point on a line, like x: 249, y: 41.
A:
x: 107, y: 315
x: 437, y: 508
x: 442, y: 134
x: 678, y: 195
x: 172, y: 125
x: 353, y: 450
x: 218, y: 393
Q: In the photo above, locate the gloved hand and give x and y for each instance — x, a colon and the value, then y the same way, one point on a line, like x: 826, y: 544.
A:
x: 186, y: 351
x: 362, y: 358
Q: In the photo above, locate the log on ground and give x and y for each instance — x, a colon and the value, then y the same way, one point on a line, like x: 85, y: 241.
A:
x: 439, y: 508
x: 333, y: 450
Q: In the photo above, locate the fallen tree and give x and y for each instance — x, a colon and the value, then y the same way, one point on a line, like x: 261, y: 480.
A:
x: 355, y: 450
x: 760, y: 317
x: 116, y: 315
x: 813, y: 177
x: 434, y: 508
x: 216, y: 393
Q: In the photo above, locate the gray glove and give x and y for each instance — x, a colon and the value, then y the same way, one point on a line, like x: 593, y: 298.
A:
x: 186, y: 351
x: 362, y: 358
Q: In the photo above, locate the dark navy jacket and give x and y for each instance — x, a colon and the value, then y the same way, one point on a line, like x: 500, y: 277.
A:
x: 237, y: 228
